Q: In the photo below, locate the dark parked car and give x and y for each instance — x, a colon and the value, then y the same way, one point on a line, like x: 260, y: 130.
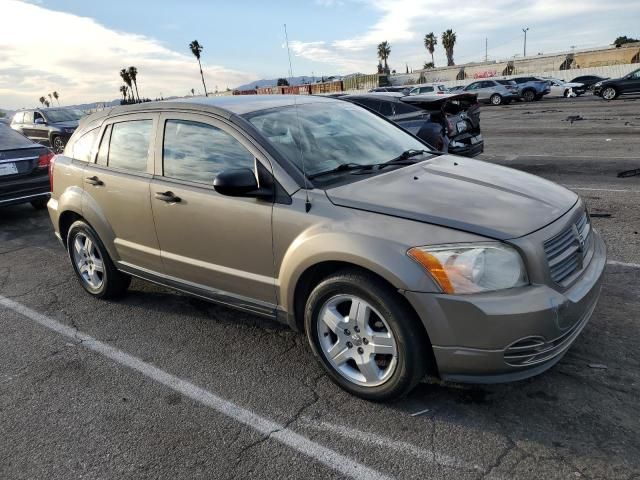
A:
x: 449, y: 123
x: 532, y: 88
x: 24, y: 169
x: 588, y: 80
x: 613, y: 88
x: 49, y: 126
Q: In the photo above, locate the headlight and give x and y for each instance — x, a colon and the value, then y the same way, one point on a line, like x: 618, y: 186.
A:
x: 69, y: 130
x: 472, y: 268
x: 599, y: 84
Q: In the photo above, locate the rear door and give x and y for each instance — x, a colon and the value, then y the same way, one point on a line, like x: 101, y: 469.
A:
x: 218, y: 244
x: 116, y: 200
x: 28, y: 128
x: 40, y: 128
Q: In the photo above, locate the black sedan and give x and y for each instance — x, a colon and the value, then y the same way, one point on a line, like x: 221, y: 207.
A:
x: 613, y: 88
x: 588, y: 80
x: 24, y: 168
x: 449, y: 123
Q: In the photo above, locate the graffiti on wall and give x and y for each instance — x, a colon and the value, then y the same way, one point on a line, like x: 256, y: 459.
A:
x: 485, y: 74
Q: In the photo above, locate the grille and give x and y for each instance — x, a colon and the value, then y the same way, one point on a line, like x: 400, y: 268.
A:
x: 567, y: 251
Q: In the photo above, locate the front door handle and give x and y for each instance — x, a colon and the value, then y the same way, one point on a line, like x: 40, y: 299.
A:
x: 168, y: 197
x: 94, y: 181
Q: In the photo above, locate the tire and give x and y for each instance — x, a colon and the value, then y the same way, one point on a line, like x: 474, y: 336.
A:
x: 39, y: 203
x: 495, y: 99
x: 609, y: 93
x: 99, y: 276
x: 529, y: 95
x: 58, y: 144
x: 386, y: 325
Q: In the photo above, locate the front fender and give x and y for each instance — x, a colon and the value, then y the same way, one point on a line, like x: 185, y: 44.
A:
x: 386, y: 258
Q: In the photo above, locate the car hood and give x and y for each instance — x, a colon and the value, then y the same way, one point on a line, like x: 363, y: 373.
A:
x: 68, y: 124
x: 461, y: 193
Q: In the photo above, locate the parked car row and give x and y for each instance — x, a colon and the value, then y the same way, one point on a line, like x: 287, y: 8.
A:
x: 49, y: 126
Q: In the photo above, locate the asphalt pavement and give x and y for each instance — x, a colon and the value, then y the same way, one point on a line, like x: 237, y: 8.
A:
x: 161, y: 385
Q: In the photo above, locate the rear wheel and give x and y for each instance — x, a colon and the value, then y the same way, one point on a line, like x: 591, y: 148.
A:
x: 369, y: 342
x: 92, y: 264
x: 495, y: 99
x: 609, y: 93
x: 529, y: 95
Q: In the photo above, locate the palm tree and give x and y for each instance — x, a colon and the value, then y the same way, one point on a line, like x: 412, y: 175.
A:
x: 133, y: 74
x: 193, y: 92
x: 448, y: 41
x: 430, y: 42
x: 127, y: 79
x: 56, y: 96
x: 384, y: 50
x: 123, y: 91
x: 196, y: 49
x: 50, y: 98
x: 46, y: 103
x: 42, y: 100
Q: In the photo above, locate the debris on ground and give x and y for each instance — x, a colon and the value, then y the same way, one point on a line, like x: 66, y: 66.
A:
x: 600, y: 215
x: 629, y: 173
x: 598, y: 366
x: 574, y: 118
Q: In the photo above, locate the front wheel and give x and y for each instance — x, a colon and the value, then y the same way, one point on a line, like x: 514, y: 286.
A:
x: 90, y: 260
x: 366, y: 338
x: 609, y: 93
x: 496, y: 99
x: 58, y: 144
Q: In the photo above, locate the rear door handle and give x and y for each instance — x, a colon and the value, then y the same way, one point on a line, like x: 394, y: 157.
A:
x: 94, y: 181
x: 168, y: 197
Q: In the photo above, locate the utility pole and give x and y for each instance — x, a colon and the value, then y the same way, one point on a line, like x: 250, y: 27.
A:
x: 525, y: 30
x: 486, y: 49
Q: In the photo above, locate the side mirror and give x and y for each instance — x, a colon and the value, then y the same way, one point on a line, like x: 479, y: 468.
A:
x: 39, y: 121
x: 239, y: 182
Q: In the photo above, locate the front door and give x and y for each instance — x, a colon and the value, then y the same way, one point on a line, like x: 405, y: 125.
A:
x: 117, y: 191
x: 631, y: 84
x: 217, y: 244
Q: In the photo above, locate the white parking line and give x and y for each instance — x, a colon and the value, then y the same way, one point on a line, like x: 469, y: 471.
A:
x: 623, y: 264
x: 324, y: 455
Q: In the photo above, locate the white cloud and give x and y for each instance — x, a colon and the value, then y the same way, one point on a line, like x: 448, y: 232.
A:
x: 80, y: 59
x: 403, y: 23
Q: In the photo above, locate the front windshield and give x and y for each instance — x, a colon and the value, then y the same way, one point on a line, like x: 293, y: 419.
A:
x: 66, y: 115
x: 329, y: 134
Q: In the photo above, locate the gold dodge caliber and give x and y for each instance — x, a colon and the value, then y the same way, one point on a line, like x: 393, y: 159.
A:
x: 395, y: 260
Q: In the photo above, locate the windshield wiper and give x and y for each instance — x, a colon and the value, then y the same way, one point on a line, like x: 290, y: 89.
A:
x: 403, y: 159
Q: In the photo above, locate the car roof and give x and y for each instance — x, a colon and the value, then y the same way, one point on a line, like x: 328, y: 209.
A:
x: 225, y: 106
x: 391, y: 96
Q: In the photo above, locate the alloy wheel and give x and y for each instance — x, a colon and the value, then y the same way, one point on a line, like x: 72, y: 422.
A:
x: 609, y: 93
x: 88, y: 261
x: 58, y: 145
x: 356, y: 340
x: 496, y: 99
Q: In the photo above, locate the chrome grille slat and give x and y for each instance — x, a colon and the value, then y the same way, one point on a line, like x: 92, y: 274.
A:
x: 564, y: 254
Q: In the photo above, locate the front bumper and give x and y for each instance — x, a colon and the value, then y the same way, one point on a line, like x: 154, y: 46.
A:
x: 512, y: 334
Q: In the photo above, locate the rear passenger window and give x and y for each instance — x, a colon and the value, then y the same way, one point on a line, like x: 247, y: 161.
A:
x: 28, y: 117
x: 129, y: 146
x: 197, y: 152
x: 83, y: 148
x: 402, y: 108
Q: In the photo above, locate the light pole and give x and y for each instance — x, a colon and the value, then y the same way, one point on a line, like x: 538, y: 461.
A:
x: 525, y: 30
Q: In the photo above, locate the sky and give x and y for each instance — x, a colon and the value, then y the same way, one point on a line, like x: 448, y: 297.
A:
x: 77, y: 47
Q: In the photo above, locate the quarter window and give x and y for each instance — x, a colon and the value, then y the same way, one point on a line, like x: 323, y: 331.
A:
x: 197, y: 152
x: 17, y: 118
x: 83, y: 148
x: 129, y: 146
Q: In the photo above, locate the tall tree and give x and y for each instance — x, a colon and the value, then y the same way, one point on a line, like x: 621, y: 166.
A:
x: 196, y: 49
x: 448, y: 41
x: 46, y: 103
x: 193, y: 92
x: 283, y: 82
x: 133, y: 75
x: 430, y: 42
x: 41, y: 100
x: 126, y: 78
x: 123, y: 91
x: 384, y: 50
x: 57, y: 97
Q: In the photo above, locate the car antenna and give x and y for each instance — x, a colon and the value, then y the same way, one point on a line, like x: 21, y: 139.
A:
x: 307, y: 202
